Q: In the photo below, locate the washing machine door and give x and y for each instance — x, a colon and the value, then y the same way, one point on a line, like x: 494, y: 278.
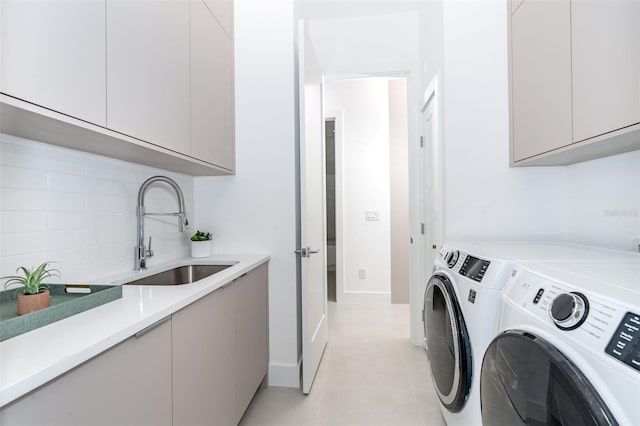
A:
x: 447, y: 343
x: 527, y: 381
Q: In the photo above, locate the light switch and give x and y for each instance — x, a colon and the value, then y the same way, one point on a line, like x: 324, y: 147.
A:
x: 373, y: 215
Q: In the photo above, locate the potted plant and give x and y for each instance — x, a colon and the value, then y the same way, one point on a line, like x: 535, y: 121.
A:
x: 201, y: 244
x: 35, y: 294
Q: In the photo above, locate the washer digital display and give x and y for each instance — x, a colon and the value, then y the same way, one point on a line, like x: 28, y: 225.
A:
x: 474, y: 268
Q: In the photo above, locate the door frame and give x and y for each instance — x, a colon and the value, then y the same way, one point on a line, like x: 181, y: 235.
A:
x: 337, y: 116
x: 430, y: 154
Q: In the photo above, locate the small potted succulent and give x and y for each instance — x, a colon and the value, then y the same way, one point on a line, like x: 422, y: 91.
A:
x: 35, y: 294
x: 201, y: 244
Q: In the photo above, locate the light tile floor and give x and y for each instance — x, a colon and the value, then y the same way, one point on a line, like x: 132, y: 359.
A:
x: 370, y: 375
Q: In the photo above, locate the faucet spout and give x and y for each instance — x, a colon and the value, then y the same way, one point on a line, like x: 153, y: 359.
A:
x: 142, y: 252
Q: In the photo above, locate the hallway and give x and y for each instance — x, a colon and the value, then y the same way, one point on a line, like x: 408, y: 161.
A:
x: 370, y: 375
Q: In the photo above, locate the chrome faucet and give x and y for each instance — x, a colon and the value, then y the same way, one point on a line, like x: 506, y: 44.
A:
x: 142, y: 252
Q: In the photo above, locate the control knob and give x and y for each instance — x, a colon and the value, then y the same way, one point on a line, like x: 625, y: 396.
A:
x: 452, y: 258
x: 569, y: 310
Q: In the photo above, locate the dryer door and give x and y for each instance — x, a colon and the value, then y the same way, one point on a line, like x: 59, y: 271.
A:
x: 447, y: 343
x: 527, y: 381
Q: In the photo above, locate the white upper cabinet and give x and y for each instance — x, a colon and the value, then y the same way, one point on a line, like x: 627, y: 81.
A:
x: 574, y: 80
x: 148, y: 71
x: 223, y: 12
x: 212, y: 115
x: 53, y: 55
x: 541, y: 77
x: 606, y: 66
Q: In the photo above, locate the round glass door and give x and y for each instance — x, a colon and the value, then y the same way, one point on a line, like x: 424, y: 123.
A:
x: 526, y: 381
x: 447, y: 343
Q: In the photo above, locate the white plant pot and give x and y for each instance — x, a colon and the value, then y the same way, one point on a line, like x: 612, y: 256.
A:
x: 200, y: 248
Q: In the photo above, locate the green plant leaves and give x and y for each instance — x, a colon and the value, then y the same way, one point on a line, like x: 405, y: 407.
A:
x: 31, y: 279
x: 201, y: 236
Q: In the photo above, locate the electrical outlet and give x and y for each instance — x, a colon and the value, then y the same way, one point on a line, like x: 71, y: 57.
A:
x: 362, y: 274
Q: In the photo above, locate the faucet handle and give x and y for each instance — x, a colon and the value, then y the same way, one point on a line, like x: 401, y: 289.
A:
x: 149, y: 251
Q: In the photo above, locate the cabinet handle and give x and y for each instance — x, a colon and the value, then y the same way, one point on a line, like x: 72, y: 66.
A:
x: 144, y: 331
x: 231, y: 282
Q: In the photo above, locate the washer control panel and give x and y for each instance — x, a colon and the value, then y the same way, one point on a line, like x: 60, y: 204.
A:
x: 474, y: 268
x: 625, y: 344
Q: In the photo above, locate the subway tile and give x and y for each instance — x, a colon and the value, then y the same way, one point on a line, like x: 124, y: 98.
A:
x: 40, y: 157
x: 80, y: 208
x: 111, y: 169
x: 108, y: 203
x: 68, y: 258
x: 10, y: 264
x: 62, y: 201
x: 57, y: 221
x: 72, y: 275
x: 23, y: 243
x: 19, y: 178
x: 99, y: 271
x: 109, y: 251
x: 22, y: 200
x: 22, y: 221
x: 15, y: 140
x: 57, y: 240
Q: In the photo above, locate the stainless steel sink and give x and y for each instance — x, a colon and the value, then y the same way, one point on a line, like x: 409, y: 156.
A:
x: 181, y: 275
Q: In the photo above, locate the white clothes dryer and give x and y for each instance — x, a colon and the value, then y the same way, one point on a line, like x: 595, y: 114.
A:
x: 568, y: 351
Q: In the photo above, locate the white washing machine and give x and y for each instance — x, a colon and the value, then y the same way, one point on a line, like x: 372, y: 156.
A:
x: 461, y: 311
x: 568, y: 351
x: 462, y: 296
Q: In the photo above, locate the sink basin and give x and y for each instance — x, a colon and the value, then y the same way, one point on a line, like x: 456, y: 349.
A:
x: 181, y: 275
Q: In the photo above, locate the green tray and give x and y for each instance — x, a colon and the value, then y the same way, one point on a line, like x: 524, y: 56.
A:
x: 63, y: 305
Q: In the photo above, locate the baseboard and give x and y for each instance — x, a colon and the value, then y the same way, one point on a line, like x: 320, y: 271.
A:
x: 285, y: 375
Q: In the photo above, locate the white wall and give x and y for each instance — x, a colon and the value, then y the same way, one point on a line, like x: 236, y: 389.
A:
x: 366, y: 44
x: 399, y: 191
x: 79, y: 210
x: 484, y: 198
x: 364, y: 107
x: 254, y: 211
x: 603, y: 198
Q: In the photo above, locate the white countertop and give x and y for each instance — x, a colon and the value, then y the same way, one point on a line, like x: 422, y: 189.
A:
x: 34, y: 358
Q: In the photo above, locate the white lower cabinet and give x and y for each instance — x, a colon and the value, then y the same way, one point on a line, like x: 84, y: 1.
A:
x: 129, y: 384
x: 204, y: 361
x: 200, y: 366
x: 252, y: 336
x: 220, y: 352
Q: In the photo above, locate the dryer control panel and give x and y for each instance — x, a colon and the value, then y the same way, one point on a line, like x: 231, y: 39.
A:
x: 606, y: 326
x: 625, y: 344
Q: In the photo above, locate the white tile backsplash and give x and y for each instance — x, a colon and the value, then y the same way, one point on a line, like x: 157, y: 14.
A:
x: 79, y: 210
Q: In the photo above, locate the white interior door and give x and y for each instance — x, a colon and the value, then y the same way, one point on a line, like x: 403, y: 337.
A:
x: 313, y: 234
x: 432, y: 196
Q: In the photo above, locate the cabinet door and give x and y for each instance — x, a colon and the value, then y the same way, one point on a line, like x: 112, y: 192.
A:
x: 223, y: 11
x: 204, y: 361
x: 148, y: 71
x: 212, y: 128
x: 53, y: 55
x: 606, y: 66
x: 129, y: 384
x: 541, y: 77
x: 252, y: 345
